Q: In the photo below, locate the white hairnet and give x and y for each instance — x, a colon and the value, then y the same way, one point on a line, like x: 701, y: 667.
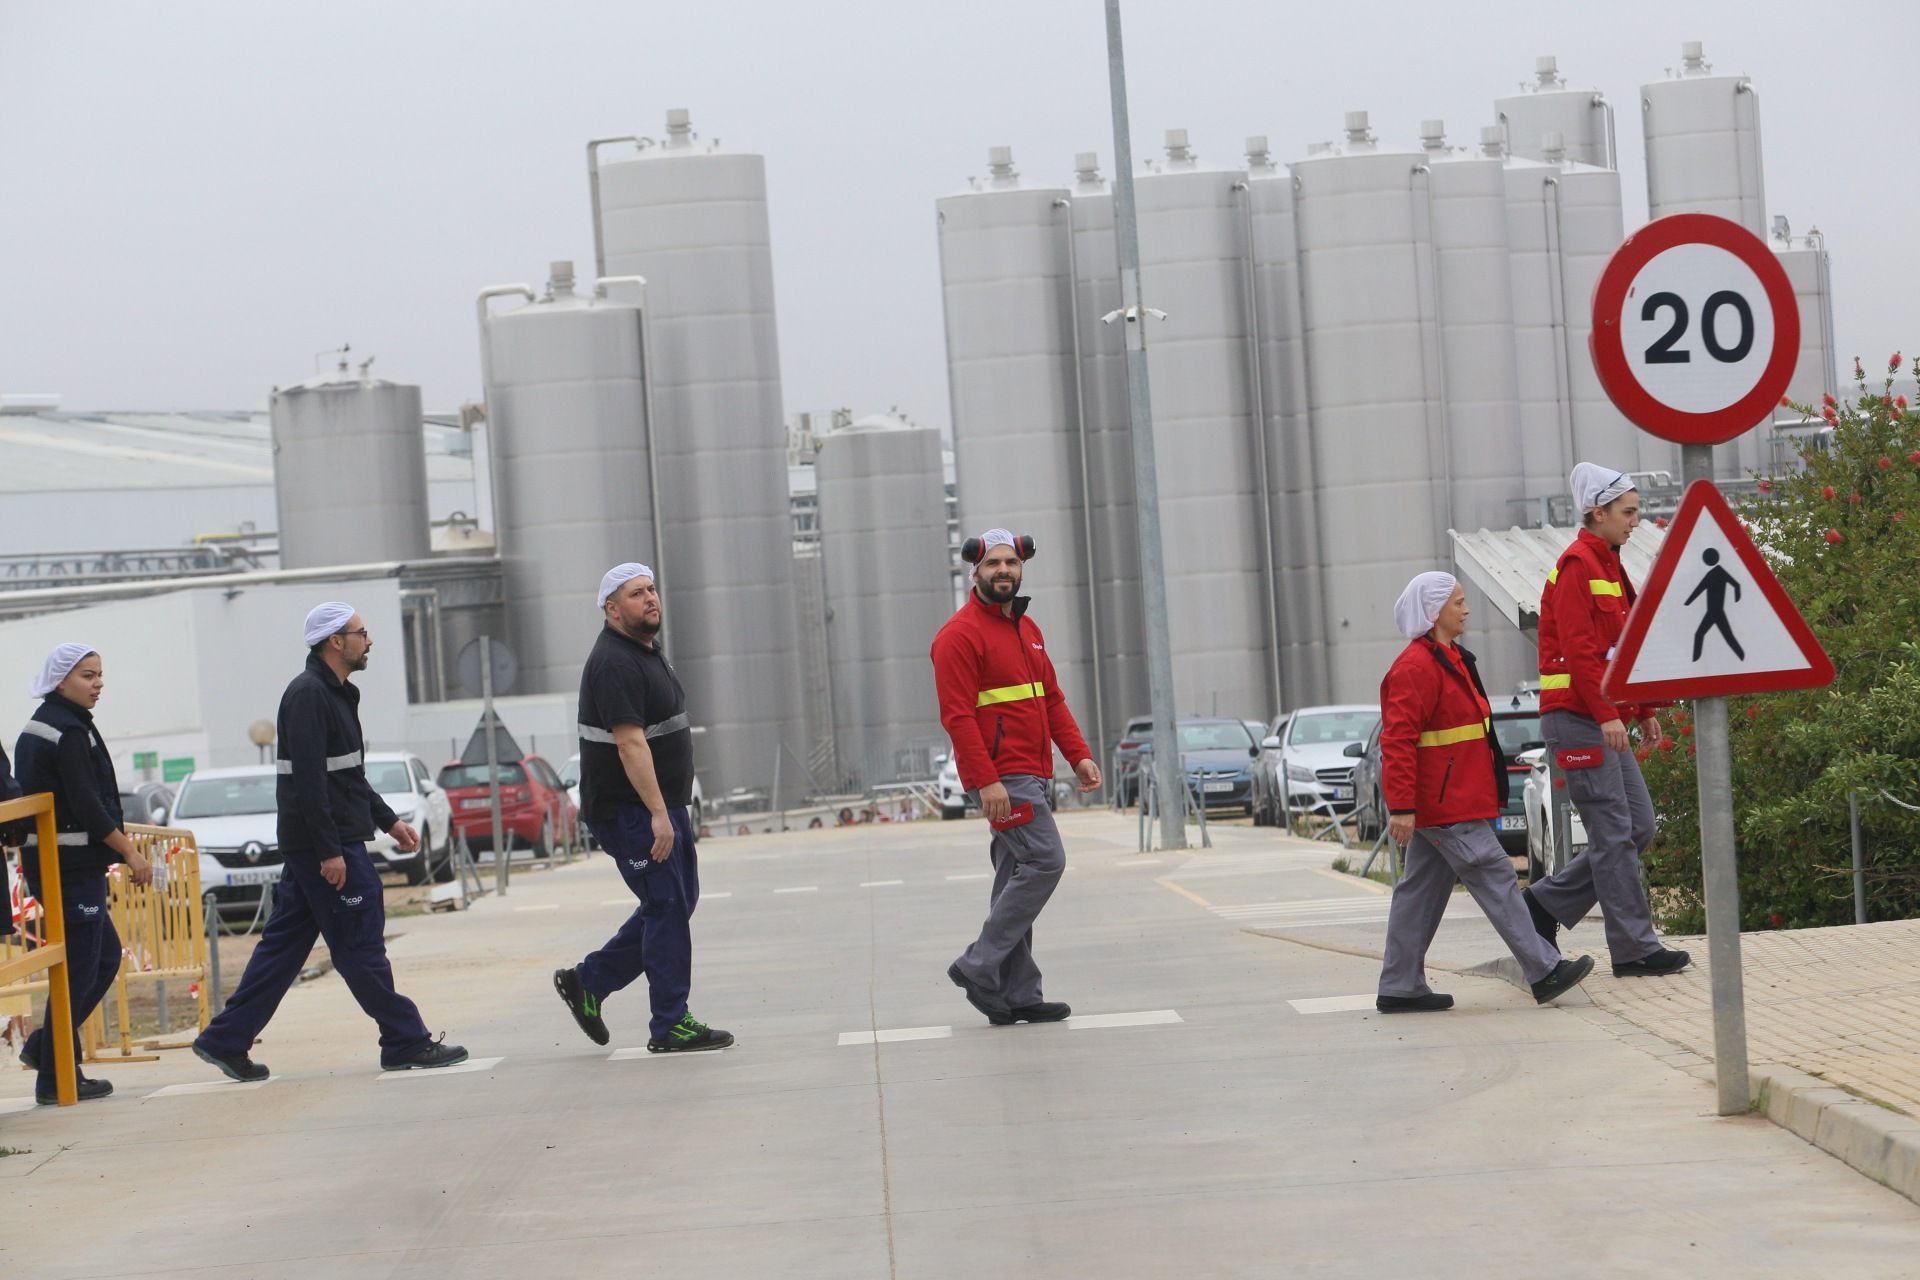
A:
x: 994, y: 538
x: 59, y: 664
x: 325, y: 620
x: 619, y: 574
x: 1422, y: 602
x: 1595, y: 486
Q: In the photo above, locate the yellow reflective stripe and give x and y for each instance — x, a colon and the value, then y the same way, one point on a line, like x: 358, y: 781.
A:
x: 1562, y: 681
x: 1011, y: 693
x: 1553, y: 575
x: 1601, y: 587
x: 1461, y: 733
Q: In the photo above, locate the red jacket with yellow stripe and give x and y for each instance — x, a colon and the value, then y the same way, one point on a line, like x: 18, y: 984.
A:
x: 1439, y: 758
x: 1583, y: 612
x: 999, y: 699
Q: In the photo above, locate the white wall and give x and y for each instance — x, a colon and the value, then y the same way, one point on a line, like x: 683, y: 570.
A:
x: 542, y: 723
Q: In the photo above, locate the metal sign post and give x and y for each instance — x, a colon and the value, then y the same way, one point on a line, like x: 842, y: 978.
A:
x: 500, y: 858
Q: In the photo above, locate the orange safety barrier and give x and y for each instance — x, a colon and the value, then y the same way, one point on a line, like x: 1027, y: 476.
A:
x: 50, y: 957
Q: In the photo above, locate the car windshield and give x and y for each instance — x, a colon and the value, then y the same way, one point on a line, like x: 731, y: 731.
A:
x: 1323, y: 728
x: 475, y: 775
x: 227, y: 797
x: 1516, y: 733
x: 389, y: 777
x: 1228, y: 735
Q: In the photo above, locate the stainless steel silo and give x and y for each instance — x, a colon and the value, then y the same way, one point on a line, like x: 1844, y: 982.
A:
x: 692, y: 219
x: 1805, y: 260
x: 568, y: 431
x: 1703, y: 144
x: 1007, y: 288
x: 883, y: 543
x: 1582, y: 117
x: 1543, y: 355
x: 349, y: 471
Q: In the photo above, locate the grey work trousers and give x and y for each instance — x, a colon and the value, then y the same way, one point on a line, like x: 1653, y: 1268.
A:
x: 1618, y: 815
x: 1027, y: 863
x: 1437, y: 856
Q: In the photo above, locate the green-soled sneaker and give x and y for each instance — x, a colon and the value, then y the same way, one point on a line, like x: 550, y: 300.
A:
x: 581, y: 1003
x: 689, y: 1035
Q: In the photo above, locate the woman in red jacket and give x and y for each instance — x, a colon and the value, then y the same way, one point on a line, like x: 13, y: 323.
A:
x: 1445, y: 781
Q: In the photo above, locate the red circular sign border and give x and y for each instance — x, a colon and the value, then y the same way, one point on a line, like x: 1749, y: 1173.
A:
x: 1610, y: 357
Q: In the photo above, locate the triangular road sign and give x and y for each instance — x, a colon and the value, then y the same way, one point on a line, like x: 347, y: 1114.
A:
x: 1712, y: 619
x: 506, y: 750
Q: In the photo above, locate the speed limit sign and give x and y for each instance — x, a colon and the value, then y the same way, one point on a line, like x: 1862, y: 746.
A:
x: 1695, y: 329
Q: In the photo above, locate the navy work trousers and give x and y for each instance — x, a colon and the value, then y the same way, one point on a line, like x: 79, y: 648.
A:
x: 93, y: 961
x: 353, y: 921
x: 657, y: 938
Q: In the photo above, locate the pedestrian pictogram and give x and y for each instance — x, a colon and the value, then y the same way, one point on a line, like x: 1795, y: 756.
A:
x: 1712, y: 619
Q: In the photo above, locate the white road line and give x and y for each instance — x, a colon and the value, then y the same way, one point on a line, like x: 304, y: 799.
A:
x: 1149, y: 1018
x: 10, y: 1105
x: 704, y: 895
x: 471, y: 1064
x: 619, y: 902
x: 209, y: 1086
x: 897, y: 1034
x: 641, y: 1051
x: 973, y: 875
x: 1139, y: 862
x: 1332, y: 1004
x: 539, y: 906
x: 880, y: 884
x: 805, y: 888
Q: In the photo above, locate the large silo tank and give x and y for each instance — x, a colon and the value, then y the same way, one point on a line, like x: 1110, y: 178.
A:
x: 883, y: 541
x: 1114, y: 567
x: 1301, y: 594
x: 1371, y: 403
x: 1805, y: 260
x: 567, y: 429
x: 349, y: 471
x: 1543, y: 355
x: 1007, y: 290
x: 1195, y: 265
x: 1703, y: 144
x: 692, y: 219
x: 1582, y: 117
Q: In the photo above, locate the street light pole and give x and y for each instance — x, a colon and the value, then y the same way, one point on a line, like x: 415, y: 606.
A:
x: 1146, y: 489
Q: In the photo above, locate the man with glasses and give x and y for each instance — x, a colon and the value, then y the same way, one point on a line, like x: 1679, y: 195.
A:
x: 330, y: 888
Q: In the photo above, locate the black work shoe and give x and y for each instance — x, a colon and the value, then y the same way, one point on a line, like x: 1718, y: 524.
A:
x: 1543, y: 922
x: 428, y: 1056
x: 89, y: 1089
x: 1662, y: 962
x: 582, y: 1003
x: 979, y: 997
x: 1432, y: 1002
x: 1566, y: 975
x: 238, y: 1066
x: 690, y: 1035
x: 29, y: 1059
x: 1045, y: 1011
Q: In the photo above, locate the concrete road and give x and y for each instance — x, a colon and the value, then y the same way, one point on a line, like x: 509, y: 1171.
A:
x: 1193, y: 1120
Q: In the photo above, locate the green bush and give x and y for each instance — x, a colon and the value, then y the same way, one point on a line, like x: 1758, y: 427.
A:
x: 1843, y: 534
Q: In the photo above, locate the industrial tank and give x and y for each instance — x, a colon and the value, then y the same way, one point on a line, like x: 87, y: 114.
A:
x: 883, y: 541
x: 1805, y: 260
x: 692, y: 219
x: 1008, y: 292
x: 1294, y: 502
x: 349, y: 471
x: 1542, y: 353
x: 1195, y: 265
x: 568, y: 435
x: 1582, y: 117
x: 1379, y: 468
x: 1703, y: 144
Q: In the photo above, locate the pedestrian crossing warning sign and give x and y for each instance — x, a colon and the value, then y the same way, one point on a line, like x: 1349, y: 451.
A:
x: 1712, y: 619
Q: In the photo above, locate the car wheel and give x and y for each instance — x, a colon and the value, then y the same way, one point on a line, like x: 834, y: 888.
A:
x: 543, y: 843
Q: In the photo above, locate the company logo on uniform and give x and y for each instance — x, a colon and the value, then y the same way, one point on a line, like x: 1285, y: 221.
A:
x: 638, y: 864
x: 88, y: 910
x: 253, y: 851
x: 355, y: 900
x: 1039, y: 646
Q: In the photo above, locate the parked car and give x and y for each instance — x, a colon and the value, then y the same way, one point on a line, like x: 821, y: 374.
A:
x: 1126, y: 759
x: 1543, y: 857
x: 570, y: 779
x: 401, y: 779
x: 146, y: 802
x: 233, y: 815
x: 1218, y: 757
x: 1305, y: 758
x: 954, y: 800
x: 1369, y: 798
x: 535, y: 807
x: 1516, y: 723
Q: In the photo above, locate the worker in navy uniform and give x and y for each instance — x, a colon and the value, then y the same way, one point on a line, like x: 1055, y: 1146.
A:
x: 329, y: 888
x: 636, y: 781
x: 61, y: 751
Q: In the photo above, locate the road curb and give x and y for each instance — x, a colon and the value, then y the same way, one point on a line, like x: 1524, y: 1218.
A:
x: 1882, y: 1144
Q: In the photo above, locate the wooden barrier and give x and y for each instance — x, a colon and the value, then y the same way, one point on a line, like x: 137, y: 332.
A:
x: 50, y: 957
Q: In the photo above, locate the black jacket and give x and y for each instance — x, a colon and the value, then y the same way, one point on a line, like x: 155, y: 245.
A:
x: 11, y: 833
x: 324, y: 799
x: 61, y: 751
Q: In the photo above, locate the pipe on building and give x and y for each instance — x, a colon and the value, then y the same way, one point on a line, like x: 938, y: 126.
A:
x: 593, y: 190
x: 486, y: 388
x: 1437, y: 346
x: 600, y: 284
x: 1256, y: 387
x: 1086, y: 488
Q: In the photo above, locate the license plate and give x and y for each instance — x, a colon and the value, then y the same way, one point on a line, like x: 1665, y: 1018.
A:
x: 1343, y: 793
x: 253, y: 875
x: 1220, y: 786
x: 1514, y: 822
x: 481, y: 803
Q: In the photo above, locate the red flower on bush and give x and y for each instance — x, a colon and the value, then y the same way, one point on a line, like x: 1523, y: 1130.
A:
x: 1667, y: 744
x: 1886, y: 463
x: 1833, y: 419
x: 1898, y: 516
x: 1901, y: 401
x: 1893, y: 362
x: 1786, y: 402
x: 1766, y: 486
x: 1641, y: 755
x: 1826, y: 491
x: 1753, y: 711
x: 1829, y: 401
x: 1661, y: 523
x: 1692, y: 750
x: 1776, y: 920
x: 1833, y: 535
x: 1686, y: 731
x: 1854, y: 498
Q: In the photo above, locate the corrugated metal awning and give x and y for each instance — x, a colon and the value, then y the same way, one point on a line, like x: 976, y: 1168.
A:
x: 1511, y: 565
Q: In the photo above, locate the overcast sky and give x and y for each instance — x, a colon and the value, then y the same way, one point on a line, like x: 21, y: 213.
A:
x: 196, y: 197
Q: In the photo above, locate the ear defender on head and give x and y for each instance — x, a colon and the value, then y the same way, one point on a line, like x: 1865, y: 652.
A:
x: 973, y: 550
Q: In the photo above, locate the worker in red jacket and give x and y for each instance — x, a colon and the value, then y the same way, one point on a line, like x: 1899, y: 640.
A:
x: 1445, y: 780
x: 1582, y: 613
x: 1003, y: 708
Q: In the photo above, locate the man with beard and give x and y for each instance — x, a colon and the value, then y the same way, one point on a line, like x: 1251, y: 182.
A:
x: 329, y: 888
x: 1003, y: 709
x: 636, y: 781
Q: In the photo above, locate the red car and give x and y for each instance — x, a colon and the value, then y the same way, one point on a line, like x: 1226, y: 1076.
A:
x: 534, y: 806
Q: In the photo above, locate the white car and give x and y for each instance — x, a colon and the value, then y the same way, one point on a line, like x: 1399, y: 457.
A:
x: 1543, y: 858
x: 1306, y: 751
x: 570, y: 777
x: 953, y: 797
x: 402, y: 780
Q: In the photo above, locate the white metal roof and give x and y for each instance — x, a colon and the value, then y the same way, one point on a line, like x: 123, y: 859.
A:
x: 1511, y: 565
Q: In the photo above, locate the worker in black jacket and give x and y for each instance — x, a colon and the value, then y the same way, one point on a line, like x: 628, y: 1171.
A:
x: 61, y: 751
x: 330, y: 888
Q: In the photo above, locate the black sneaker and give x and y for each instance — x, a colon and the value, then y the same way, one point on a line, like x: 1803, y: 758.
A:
x: 690, y: 1035
x: 980, y: 998
x: 238, y: 1066
x: 1543, y: 922
x: 1660, y: 963
x: 89, y: 1089
x: 1566, y: 975
x: 428, y: 1056
x: 29, y: 1059
x: 1432, y: 1002
x: 581, y: 1003
x: 1045, y: 1011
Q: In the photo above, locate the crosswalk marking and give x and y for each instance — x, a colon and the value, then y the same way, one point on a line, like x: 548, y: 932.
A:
x: 1096, y: 1021
x: 704, y: 895
x: 641, y: 1051
x: 1139, y: 862
x: 880, y: 884
x: 897, y: 1034
x: 539, y: 906
x: 1332, y: 1004
x: 10, y: 1105
x: 471, y: 1064
x: 972, y: 875
x: 209, y: 1086
x: 1079, y: 1022
x: 804, y: 888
